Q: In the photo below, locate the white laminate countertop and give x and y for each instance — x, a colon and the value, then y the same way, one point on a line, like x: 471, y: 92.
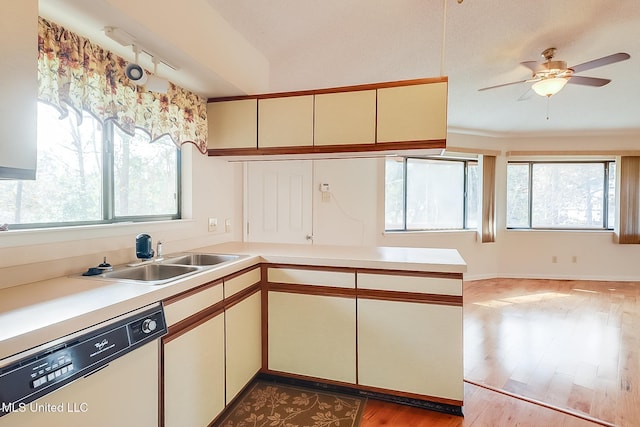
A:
x: 37, y: 313
x: 381, y: 257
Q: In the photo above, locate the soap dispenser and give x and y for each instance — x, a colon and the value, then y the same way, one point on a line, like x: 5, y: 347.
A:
x: 144, y: 247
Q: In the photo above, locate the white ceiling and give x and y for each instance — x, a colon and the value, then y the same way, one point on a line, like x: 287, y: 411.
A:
x: 235, y: 47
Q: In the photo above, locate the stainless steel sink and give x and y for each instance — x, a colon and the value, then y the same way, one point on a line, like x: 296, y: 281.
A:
x: 151, y: 273
x: 199, y: 259
x: 173, y: 267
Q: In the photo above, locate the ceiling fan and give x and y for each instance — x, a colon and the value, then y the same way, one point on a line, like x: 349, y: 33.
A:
x: 550, y: 77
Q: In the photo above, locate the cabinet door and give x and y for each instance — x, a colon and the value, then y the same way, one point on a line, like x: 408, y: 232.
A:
x: 194, y: 375
x: 411, y: 347
x: 244, y: 343
x: 19, y: 89
x: 345, y: 118
x: 412, y: 113
x: 285, y: 122
x: 313, y: 335
x: 233, y: 124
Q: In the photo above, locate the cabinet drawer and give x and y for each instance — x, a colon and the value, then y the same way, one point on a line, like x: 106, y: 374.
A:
x: 179, y: 309
x: 338, y: 279
x: 418, y: 284
x: 236, y: 284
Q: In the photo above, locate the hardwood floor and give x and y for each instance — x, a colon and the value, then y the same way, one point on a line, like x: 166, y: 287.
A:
x: 483, y: 408
x: 571, y: 345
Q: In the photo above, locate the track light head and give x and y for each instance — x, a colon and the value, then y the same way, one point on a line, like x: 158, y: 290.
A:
x: 136, y: 74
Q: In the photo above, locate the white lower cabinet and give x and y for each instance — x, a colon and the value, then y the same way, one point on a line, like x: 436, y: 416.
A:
x: 313, y: 335
x: 244, y: 343
x: 411, y: 347
x: 194, y: 375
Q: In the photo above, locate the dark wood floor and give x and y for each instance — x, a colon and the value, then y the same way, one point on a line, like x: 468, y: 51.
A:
x: 569, y: 345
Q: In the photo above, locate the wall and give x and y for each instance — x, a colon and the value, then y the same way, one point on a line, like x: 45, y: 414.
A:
x: 211, y: 188
x: 355, y: 216
x: 349, y: 217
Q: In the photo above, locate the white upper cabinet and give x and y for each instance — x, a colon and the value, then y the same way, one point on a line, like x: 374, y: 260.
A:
x: 380, y: 117
x: 19, y: 89
x: 285, y: 122
x: 345, y: 118
x: 233, y: 124
x: 412, y: 113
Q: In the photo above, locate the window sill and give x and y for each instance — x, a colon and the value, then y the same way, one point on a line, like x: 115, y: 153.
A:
x: 559, y: 230
x: 423, y: 232
x: 26, y: 237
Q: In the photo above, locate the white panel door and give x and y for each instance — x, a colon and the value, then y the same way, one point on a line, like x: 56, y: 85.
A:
x: 279, y: 201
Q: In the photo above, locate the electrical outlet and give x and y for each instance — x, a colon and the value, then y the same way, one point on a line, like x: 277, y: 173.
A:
x: 213, y: 224
x: 227, y: 225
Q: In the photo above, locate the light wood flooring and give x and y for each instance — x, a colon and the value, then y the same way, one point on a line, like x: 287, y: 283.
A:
x: 536, y: 348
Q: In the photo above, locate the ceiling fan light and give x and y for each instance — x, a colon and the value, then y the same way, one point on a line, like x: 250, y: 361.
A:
x: 549, y: 87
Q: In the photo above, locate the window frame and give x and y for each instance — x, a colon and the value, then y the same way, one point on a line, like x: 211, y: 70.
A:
x: 605, y: 193
x: 466, y: 161
x: 108, y: 192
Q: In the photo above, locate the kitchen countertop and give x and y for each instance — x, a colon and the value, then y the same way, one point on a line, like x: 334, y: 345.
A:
x: 40, y: 312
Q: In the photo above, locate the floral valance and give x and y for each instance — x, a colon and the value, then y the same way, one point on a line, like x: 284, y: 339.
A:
x: 75, y: 73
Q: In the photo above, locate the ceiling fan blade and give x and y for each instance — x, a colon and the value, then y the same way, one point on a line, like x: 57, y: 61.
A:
x: 527, y: 95
x: 605, y: 60
x: 588, y: 81
x: 502, y: 85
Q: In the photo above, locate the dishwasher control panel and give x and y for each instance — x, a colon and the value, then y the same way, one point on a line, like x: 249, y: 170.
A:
x: 24, y: 379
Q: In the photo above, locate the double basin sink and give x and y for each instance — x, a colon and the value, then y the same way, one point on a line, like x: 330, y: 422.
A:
x: 173, y: 267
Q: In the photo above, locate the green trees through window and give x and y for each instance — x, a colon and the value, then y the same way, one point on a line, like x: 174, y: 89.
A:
x: 561, y: 195
x: 430, y: 194
x: 89, y: 173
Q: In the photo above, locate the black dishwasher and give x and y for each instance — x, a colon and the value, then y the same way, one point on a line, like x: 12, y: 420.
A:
x: 34, y: 373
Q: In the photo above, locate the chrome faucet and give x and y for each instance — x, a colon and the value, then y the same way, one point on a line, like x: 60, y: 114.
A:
x: 159, y: 256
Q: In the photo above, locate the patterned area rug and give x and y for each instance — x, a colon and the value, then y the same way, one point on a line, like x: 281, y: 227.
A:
x: 267, y: 403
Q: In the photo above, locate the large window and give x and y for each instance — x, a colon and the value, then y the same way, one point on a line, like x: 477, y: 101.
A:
x: 561, y: 195
x: 89, y: 174
x: 430, y: 194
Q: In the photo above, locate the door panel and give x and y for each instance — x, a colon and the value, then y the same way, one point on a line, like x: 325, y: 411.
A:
x: 279, y: 201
